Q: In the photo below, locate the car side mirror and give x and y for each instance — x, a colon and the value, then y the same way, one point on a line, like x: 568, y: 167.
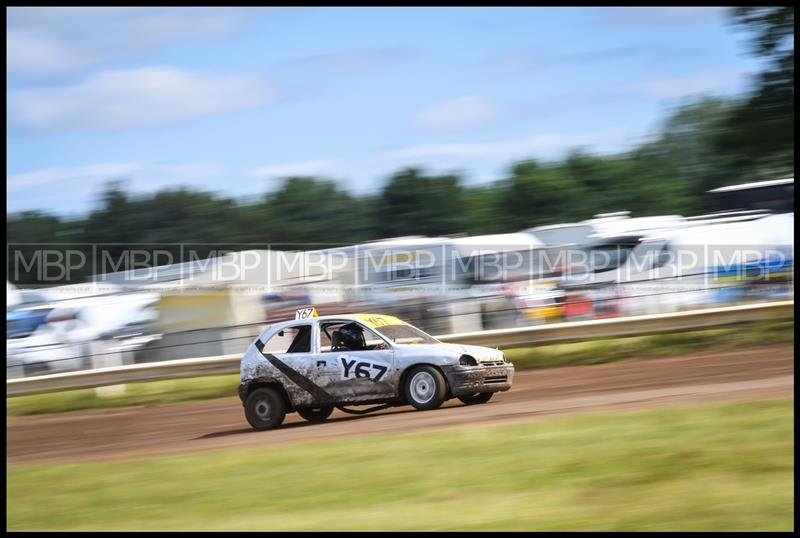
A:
x: 280, y: 334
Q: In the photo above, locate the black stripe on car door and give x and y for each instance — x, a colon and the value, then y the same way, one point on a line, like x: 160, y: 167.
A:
x: 319, y: 394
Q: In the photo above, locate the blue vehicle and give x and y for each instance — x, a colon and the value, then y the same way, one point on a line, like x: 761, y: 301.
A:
x: 22, y: 323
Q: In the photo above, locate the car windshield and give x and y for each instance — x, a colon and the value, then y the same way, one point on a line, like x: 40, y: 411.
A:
x: 406, y: 334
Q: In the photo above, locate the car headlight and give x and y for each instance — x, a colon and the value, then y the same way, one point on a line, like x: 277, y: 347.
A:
x: 466, y: 360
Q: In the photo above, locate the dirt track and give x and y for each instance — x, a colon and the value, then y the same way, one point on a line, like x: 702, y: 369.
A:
x: 121, y: 433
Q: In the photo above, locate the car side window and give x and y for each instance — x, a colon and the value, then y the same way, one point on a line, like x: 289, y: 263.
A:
x: 296, y: 339
x: 330, y: 341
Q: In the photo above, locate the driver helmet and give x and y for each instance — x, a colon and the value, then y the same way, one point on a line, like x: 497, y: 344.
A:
x: 352, y: 336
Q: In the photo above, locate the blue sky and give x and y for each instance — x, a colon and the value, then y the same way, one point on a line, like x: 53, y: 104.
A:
x: 232, y: 100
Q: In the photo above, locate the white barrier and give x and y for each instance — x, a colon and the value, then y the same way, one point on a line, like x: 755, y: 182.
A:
x: 576, y: 331
x: 503, y: 338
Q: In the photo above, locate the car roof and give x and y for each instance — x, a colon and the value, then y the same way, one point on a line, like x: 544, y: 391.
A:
x: 373, y: 321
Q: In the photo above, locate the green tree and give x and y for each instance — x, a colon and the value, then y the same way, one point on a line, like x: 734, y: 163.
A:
x: 32, y: 227
x: 484, y: 207
x: 415, y: 203
x: 686, y: 144
x: 310, y: 213
x: 536, y: 194
x: 600, y: 177
x: 760, y: 133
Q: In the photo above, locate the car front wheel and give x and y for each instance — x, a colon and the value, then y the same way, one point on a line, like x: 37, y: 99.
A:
x: 425, y: 388
x: 265, y: 408
x: 480, y: 398
x: 315, y: 415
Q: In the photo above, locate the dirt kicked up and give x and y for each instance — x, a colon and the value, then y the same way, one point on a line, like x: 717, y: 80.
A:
x: 111, y: 434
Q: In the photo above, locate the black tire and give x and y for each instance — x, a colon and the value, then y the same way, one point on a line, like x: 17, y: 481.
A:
x: 480, y: 398
x: 425, y: 388
x: 265, y: 408
x: 319, y: 414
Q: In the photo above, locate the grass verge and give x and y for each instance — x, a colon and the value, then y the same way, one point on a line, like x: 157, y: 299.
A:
x: 658, y: 345
x: 721, y: 467
x: 591, y: 352
x: 135, y: 394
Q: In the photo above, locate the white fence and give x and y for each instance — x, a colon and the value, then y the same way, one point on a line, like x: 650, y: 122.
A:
x: 502, y: 338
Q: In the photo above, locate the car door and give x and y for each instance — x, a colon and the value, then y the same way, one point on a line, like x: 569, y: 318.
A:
x: 290, y: 351
x: 358, y: 375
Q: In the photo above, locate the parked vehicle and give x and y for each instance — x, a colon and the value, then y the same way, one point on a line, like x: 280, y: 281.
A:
x: 77, y: 334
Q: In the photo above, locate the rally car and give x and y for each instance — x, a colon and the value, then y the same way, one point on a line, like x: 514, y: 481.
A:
x: 315, y: 363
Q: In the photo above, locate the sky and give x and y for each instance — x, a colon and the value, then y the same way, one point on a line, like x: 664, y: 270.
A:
x: 234, y: 100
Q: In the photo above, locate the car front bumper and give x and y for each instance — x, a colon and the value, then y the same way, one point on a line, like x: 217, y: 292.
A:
x: 465, y: 380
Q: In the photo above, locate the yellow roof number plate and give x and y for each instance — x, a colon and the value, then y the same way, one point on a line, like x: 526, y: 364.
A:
x: 306, y: 313
x: 376, y: 321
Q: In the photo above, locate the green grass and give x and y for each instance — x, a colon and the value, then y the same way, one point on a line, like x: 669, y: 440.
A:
x: 654, y: 346
x: 591, y: 352
x: 726, y: 467
x: 150, y: 393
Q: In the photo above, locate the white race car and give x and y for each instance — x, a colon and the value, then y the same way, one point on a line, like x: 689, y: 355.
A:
x: 313, y: 364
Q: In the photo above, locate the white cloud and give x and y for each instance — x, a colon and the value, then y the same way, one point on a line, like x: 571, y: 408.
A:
x: 354, y: 61
x: 79, y: 175
x: 659, y: 15
x: 302, y: 168
x: 526, y: 62
x: 705, y: 81
x: 543, y: 145
x: 57, y: 41
x: 465, y: 112
x: 145, y: 97
x: 516, y: 64
x: 71, y: 189
x: 30, y: 54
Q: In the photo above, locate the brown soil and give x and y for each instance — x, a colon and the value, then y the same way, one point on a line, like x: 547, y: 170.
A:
x: 180, y: 428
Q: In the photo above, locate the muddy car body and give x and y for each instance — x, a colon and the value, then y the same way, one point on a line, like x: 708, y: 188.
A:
x: 302, y: 366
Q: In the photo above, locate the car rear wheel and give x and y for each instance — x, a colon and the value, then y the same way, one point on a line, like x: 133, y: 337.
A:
x: 265, y: 408
x: 479, y: 398
x: 425, y: 388
x: 319, y: 414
